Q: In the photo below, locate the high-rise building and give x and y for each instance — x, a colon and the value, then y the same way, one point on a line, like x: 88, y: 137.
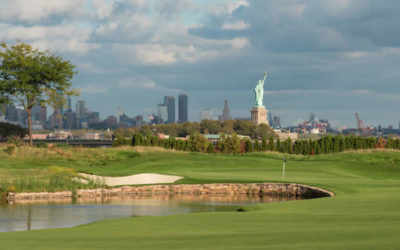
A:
x: 206, y: 114
x: 120, y: 113
x: 69, y: 104
x: 182, y: 108
x: 270, y: 121
x: 162, y: 113
x: 276, y: 123
x: 81, y: 110
x: 39, y: 113
x: 312, y: 117
x: 169, y: 101
x: 225, y: 113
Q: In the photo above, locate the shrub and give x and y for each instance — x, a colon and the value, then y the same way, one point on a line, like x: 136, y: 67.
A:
x: 118, y: 142
x: 10, y: 149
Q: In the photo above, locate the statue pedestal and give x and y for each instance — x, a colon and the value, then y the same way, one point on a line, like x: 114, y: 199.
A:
x: 259, y: 115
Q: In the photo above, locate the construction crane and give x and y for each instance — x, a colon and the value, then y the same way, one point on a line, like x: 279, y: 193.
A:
x: 360, y: 123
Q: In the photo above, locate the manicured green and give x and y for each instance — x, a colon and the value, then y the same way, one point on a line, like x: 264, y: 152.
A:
x: 365, y: 214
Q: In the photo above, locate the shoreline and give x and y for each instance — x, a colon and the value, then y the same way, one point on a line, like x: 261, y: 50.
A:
x: 262, y: 189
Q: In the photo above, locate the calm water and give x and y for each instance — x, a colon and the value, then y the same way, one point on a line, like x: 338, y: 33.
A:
x: 30, y: 216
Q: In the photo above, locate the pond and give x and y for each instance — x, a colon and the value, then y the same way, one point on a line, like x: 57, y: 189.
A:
x: 30, y: 215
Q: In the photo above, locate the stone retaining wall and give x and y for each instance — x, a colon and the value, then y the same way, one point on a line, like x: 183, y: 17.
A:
x: 268, y: 189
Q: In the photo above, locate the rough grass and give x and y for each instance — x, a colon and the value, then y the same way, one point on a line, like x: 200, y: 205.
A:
x: 364, y: 214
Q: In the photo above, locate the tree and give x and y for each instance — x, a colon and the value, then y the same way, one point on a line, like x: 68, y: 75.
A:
x: 248, y: 146
x: 264, y: 144
x: 34, y: 77
x: 8, y: 130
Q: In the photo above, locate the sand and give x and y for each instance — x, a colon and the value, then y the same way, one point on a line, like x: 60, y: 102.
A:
x: 136, y: 179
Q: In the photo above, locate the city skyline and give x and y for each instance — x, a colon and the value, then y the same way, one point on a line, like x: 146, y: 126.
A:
x: 333, y: 58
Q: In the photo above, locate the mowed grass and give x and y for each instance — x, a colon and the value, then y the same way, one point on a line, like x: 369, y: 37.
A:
x: 364, y: 214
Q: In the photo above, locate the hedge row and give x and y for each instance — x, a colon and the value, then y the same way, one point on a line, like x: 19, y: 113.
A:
x: 233, y: 145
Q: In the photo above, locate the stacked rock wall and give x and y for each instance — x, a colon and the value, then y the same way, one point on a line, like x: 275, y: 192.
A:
x: 267, y: 189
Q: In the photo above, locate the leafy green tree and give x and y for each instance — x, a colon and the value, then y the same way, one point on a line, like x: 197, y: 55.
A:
x: 278, y: 145
x: 8, y: 130
x: 271, y: 143
x: 197, y: 143
x: 256, y: 146
x: 34, y: 77
x: 248, y: 147
x: 210, y: 148
x: 264, y: 144
x: 137, y: 139
x: 210, y: 127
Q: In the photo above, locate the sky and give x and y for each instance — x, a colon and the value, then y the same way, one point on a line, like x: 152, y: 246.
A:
x: 333, y: 58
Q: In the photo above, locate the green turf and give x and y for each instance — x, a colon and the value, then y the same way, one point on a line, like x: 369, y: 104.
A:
x: 365, y: 214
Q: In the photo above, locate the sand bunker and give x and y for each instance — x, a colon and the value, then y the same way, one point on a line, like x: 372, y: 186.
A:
x: 136, y: 179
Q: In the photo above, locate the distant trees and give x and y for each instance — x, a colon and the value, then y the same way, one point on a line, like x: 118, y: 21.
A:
x: 240, y: 127
x: 232, y: 144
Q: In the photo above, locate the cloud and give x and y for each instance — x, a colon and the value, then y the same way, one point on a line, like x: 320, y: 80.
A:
x: 137, y: 82
x: 39, y: 10
x: 94, y: 89
x: 63, y: 37
x: 238, y: 25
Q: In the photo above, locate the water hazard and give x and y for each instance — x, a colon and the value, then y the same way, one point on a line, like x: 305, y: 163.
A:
x: 30, y: 215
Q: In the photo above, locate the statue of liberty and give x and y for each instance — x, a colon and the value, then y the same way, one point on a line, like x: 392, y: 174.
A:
x: 259, y: 92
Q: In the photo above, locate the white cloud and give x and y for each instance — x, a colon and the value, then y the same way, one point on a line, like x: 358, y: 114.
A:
x: 37, y: 10
x: 137, y: 82
x: 103, y: 8
x: 355, y: 54
x: 238, y: 25
x: 226, y: 8
x: 94, y: 88
x: 68, y: 37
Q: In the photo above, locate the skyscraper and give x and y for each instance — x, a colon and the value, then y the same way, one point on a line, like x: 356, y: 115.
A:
x: 81, y: 109
x: 69, y: 104
x: 169, y: 101
x: 225, y: 113
x: 162, y: 113
x: 182, y: 108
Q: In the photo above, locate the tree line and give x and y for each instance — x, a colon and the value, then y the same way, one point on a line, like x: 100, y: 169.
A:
x: 233, y: 144
x: 241, y: 127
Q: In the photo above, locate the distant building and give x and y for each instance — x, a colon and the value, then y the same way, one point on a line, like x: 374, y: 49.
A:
x: 120, y: 113
x: 162, y: 113
x: 39, y: 113
x: 276, y: 122
x: 169, y: 101
x: 225, y: 113
x: 311, y: 117
x: 56, y: 120
x: 182, y: 108
x: 206, y: 114
x: 81, y: 109
x: 69, y: 104
x: 70, y: 120
x: 270, y: 120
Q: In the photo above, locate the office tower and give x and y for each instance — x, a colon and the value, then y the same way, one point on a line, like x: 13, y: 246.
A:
x: 81, y: 110
x: 69, y: 104
x: 270, y: 121
x: 120, y: 113
x: 182, y: 108
x: 225, y: 113
x: 206, y: 114
x: 162, y: 113
x: 169, y: 101
x: 312, y: 117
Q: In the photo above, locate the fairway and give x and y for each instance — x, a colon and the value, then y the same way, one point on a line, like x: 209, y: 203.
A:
x: 364, y: 214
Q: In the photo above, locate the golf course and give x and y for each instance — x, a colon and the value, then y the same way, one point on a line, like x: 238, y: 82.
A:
x: 363, y: 214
